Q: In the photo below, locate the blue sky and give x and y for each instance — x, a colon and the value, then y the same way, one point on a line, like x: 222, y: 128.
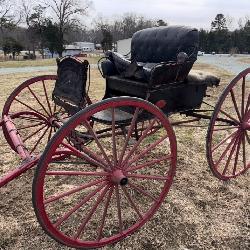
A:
x: 197, y: 13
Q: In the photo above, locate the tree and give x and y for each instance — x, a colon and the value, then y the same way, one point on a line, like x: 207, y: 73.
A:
x: 67, y: 14
x: 246, y: 35
x: 203, y: 40
x: 37, y: 24
x: 160, y: 22
x: 16, y: 49
x: 27, y: 10
x: 10, y: 45
x: 7, y: 46
x: 6, y: 15
x: 219, y: 23
x: 107, y: 40
x: 51, y: 35
x: 221, y: 36
x: 120, y: 28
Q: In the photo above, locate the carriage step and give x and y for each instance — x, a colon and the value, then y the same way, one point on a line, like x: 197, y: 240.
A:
x: 15, y: 138
x: 105, y: 116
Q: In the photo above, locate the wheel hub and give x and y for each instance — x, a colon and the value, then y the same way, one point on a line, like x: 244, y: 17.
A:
x: 246, y: 125
x: 118, y: 177
x: 53, y: 121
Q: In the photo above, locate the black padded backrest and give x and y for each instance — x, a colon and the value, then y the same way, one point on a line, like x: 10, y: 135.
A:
x: 162, y: 44
x: 71, y: 82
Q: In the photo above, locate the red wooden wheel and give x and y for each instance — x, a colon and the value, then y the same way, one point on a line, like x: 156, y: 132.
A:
x: 228, y: 138
x: 108, y: 186
x: 33, y: 112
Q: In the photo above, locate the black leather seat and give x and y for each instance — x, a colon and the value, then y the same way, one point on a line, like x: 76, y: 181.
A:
x: 154, y: 52
x: 159, y: 67
x: 70, y: 86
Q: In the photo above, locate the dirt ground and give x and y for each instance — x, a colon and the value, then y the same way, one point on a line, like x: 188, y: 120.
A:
x: 200, y: 211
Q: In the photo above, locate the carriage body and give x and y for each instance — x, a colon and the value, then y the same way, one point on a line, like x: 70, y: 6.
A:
x: 155, y: 72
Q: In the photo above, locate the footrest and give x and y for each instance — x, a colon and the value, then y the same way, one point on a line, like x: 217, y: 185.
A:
x: 105, y: 116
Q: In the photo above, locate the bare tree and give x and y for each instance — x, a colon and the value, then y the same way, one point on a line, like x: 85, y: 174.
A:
x: 8, y: 17
x: 68, y: 14
x: 27, y: 10
x: 121, y: 27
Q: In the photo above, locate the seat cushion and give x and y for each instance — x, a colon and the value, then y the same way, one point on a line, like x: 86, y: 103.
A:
x: 197, y: 77
x: 133, y: 70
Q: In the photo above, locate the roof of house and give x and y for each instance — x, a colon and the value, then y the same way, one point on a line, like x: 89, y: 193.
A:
x: 72, y: 47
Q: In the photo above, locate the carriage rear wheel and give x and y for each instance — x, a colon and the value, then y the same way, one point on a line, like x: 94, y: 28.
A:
x: 109, y: 182
x: 32, y: 110
x: 228, y: 138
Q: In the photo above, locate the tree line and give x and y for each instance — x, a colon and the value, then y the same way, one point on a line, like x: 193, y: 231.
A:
x: 221, y: 40
x: 52, y: 24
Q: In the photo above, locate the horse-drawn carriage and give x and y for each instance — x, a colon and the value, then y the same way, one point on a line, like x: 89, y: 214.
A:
x: 104, y: 168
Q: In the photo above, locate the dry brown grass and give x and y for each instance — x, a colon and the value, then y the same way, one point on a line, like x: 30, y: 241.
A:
x: 39, y: 62
x: 243, y: 60
x: 200, y: 212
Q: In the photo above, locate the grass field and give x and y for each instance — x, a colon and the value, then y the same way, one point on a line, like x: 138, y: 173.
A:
x: 244, y: 60
x: 40, y: 62
x: 200, y: 212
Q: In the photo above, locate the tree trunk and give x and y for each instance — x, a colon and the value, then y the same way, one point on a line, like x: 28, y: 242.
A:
x: 34, y: 52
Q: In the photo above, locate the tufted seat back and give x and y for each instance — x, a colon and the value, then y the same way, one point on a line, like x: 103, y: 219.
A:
x: 162, y: 44
x: 70, y: 86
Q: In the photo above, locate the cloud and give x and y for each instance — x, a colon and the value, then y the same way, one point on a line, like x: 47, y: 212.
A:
x: 198, y: 13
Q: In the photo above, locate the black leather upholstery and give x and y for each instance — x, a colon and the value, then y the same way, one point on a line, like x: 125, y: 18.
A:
x: 149, y: 48
x: 161, y: 59
x: 70, y: 87
x: 162, y: 44
x: 119, y: 61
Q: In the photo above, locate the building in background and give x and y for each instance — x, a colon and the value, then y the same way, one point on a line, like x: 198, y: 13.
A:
x: 71, y: 50
x: 85, y: 46
x: 98, y: 46
x: 76, y: 48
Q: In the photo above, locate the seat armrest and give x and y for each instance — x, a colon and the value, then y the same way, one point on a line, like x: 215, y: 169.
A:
x: 108, y: 68
x: 169, y: 72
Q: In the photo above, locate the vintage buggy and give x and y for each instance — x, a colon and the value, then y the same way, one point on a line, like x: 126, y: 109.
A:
x: 103, y: 169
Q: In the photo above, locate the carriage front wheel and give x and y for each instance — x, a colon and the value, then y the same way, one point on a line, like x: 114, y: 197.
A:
x: 228, y: 138
x: 97, y: 180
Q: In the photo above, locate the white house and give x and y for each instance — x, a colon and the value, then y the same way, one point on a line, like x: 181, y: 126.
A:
x: 201, y: 53
x: 85, y: 46
x: 74, y: 49
x: 71, y: 50
x: 124, y: 46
